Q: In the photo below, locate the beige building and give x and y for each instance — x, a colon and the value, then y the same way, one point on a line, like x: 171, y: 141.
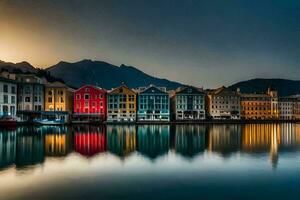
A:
x: 223, y: 103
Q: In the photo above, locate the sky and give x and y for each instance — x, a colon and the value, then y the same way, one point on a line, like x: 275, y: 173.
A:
x: 203, y: 43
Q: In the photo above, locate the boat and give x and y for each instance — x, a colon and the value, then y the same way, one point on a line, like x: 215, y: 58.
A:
x: 8, y: 121
x: 49, y: 121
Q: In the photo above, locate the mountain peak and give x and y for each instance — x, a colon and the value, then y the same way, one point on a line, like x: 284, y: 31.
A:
x: 85, y: 61
x: 106, y: 75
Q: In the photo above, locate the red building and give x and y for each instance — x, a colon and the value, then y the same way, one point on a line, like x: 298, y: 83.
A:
x: 90, y: 103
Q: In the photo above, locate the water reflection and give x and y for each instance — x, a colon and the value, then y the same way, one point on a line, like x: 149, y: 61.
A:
x: 190, y: 140
x: 224, y: 139
x: 89, y: 140
x: 58, y: 142
x: 153, y: 140
x: 28, y: 146
x: 121, y: 140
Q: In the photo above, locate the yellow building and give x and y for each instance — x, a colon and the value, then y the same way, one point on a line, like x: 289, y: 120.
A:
x: 121, y: 104
x: 58, y: 97
x: 260, y: 106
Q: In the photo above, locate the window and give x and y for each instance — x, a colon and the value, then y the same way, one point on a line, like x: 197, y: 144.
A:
x: 78, y: 96
x: 86, y: 96
x: 86, y: 104
x: 27, y: 99
x: 131, y: 97
x: 5, y: 98
x: 13, y: 99
x: 50, y: 93
x: 61, y: 99
x: 50, y: 99
x: 35, y: 99
x: 101, y: 96
x: 5, y: 88
x: 13, y: 89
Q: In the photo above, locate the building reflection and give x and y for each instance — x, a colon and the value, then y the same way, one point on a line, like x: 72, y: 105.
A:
x: 224, y: 139
x: 121, y: 140
x: 189, y: 139
x: 153, y: 140
x: 7, y: 148
x: 89, y: 140
x: 58, y: 141
x: 263, y: 138
x: 29, y: 147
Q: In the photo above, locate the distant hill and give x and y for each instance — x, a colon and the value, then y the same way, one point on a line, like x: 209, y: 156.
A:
x: 11, y: 67
x: 105, y: 75
x: 108, y: 76
x: 283, y: 86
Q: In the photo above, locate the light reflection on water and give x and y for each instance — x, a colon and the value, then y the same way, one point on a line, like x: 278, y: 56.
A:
x: 150, y: 161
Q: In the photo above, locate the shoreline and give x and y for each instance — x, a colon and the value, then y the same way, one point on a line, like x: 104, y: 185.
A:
x: 186, y: 122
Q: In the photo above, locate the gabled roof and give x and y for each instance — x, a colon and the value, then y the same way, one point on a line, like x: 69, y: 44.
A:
x: 223, y: 91
x: 152, y: 89
x: 123, y: 86
x: 95, y: 87
x: 189, y: 90
x: 58, y: 84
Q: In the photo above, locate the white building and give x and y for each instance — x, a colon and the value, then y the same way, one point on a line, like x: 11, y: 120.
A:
x: 8, y: 97
x: 224, y: 104
x: 188, y: 103
x: 286, y: 107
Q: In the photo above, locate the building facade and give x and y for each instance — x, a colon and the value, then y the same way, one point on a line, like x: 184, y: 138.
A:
x: 286, y: 108
x: 8, y: 97
x: 259, y: 106
x: 58, y: 97
x: 188, y: 103
x: 121, y: 105
x: 153, y: 104
x: 223, y: 103
x: 58, y: 101
x: 30, y: 93
x: 296, y: 109
x: 90, y: 101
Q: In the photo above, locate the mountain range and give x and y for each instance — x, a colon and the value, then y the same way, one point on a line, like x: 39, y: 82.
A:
x: 283, y: 86
x: 105, y: 75
x: 109, y: 76
x: 23, y: 66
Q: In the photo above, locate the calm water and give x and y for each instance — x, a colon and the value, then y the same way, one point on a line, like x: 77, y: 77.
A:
x: 151, y: 162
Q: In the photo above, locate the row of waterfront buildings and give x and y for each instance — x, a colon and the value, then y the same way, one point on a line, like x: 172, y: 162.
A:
x: 28, y: 97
